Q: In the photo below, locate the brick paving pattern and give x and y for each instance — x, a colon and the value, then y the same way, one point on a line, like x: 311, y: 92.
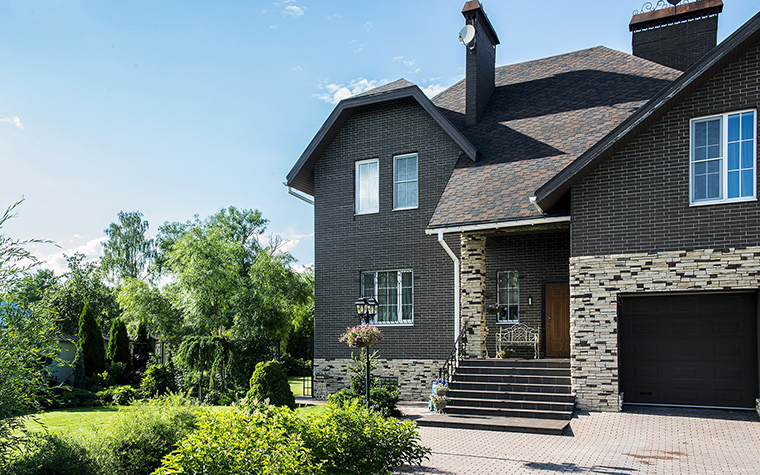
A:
x: 641, y: 441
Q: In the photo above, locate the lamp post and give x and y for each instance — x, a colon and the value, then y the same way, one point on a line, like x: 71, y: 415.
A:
x: 366, y: 307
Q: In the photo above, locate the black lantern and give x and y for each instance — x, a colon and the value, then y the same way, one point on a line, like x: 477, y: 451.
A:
x: 366, y: 308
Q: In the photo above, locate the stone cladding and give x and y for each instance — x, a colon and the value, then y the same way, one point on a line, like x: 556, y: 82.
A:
x: 415, y: 376
x: 597, y: 281
x: 473, y: 282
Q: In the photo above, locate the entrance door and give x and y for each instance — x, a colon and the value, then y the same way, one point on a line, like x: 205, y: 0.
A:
x: 557, y: 305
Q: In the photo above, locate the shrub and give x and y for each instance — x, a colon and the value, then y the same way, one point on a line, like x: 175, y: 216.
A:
x: 296, y: 367
x: 270, y: 382
x: 118, y: 345
x: 353, y: 438
x: 158, y: 380
x: 268, y: 441
x: 50, y: 454
x: 136, y: 441
x: 119, y: 395
x: 382, y: 399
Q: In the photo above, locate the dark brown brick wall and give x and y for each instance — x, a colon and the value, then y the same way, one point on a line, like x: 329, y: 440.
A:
x: 638, y: 200
x: 345, y: 245
x: 678, y: 45
x: 538, y: 258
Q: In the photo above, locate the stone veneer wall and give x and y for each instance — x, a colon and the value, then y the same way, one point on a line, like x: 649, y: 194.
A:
x: 596, y: 281
x: 415, y: 377
x: 473, y: 288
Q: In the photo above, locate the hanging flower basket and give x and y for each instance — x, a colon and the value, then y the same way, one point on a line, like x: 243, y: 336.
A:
x: 362, y: 336
x: 492, y: 308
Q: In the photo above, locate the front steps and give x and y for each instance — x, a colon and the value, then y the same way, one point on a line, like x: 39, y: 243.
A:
x: 509, y: 395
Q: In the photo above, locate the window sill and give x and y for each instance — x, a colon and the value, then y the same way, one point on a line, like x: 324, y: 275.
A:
x: 723, y: 202
x: 407, y: 208
x: 508, y: 323
x: 386, y: 324
x: 357, y: 213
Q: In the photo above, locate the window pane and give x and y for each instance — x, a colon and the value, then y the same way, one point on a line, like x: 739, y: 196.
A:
x: 405, y: 182
x: 747, y: 153
x: 748, y: 125
x: 367, y: 175
x: 733, y: 184
x: 713, y: 132
x: 700, y: 168
x: 700, y: 134
x: 713, y: 151
x: 733, y: 128
x: 368, y: 284
x: 733, y: 156
x: 713, y: 185
x: 700, y: 187
x: 713, y: 166
x: 513, y: 314
x: 747, y: 183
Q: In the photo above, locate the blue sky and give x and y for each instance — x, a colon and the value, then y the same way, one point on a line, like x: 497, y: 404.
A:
x: 176, y: 108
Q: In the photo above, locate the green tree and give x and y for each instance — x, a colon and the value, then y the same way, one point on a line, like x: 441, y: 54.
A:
x: 118, y: 344
x: 127, y: 254
x: 91, y: 342
x: 32, y: 288
x: 82, y: 283
x: 140, y: 301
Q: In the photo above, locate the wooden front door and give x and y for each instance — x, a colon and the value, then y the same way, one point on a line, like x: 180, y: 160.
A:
x: 557, y: 305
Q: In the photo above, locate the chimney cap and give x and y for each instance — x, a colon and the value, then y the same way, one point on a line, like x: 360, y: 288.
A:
x: 647, y: 18
x: 471, y: 8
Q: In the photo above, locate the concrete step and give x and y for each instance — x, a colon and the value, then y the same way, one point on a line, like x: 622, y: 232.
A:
x: 501, y: 412
x: 514, y: 363
x: 511, y: 379
x: 504, y: 424
x: 509, y: 387
x: 513, y: 396
x: 519, y: 370
x: 512, y: 404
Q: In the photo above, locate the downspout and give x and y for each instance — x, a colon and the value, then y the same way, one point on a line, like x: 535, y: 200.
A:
x: 456, y: 285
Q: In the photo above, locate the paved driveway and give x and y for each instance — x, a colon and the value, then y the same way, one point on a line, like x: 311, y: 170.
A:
x: 652, y: 440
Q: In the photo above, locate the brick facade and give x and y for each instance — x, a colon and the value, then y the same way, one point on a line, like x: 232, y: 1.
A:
x: 347, y: 244
x: 634, y: 231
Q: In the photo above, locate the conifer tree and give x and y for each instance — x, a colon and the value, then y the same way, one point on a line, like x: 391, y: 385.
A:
x: 91, y: 342
x: 118, y: 344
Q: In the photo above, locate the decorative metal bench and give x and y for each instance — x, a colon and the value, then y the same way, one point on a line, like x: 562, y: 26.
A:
x: 518, y: 334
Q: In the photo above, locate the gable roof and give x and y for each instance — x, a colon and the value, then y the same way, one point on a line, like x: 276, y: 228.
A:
x: 301, y: 176
x: 542, y: 116
x: 748, y: 34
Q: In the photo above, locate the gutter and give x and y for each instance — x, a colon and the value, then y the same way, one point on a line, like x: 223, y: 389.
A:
x: 299, y: 195
x: 457, y: 292
x: 499, y: 225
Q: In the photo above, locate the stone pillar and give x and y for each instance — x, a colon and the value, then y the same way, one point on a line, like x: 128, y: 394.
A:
x: 473, y: 282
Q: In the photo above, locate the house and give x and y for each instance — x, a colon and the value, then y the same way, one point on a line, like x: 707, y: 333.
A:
x: 606, y: 199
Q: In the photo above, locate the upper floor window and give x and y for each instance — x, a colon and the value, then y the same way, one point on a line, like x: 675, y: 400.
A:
x: 393, y: 291
x: 405, y: 181
x: 508, y: 292
x: 723, y: 158
x: 367, y: 200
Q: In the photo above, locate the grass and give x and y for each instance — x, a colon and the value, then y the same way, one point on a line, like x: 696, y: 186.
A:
x: 296, y: 384
x: 86, y: 419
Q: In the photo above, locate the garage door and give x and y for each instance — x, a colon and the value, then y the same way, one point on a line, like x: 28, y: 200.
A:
x: 696, y: 350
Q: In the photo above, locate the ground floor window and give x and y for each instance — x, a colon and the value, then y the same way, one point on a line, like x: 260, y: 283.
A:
x: 508, y: 291
x: 394, y: 293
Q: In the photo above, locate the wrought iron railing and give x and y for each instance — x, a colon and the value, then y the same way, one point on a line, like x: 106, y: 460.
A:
x: 458, y: 353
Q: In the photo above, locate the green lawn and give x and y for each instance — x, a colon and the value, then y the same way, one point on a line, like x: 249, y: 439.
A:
x: 296, y: 384
x: 70, y: 421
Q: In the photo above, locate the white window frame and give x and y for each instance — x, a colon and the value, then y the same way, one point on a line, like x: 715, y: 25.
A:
x: 402, y: 322
x: 723, y: 160
x: 357, y: 202
x: 499, y: 318
x: 396, y: 181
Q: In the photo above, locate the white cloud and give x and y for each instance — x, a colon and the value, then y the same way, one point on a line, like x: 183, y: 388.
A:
x: 433, y: 90
x: 272, y: 27
x: 337, y: 92
x: 13, y: 120
x: 92, y: 250
x: 405, y: 61
x: 294, y: 10
x: 297, y: 68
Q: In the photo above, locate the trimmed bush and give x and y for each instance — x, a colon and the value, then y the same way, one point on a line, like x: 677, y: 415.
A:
x: 269, y: 382
x: 268, y: 441
x: 91, y: 342
x: 118, y: 345
x: 50, y: 454
x: 158, y: 380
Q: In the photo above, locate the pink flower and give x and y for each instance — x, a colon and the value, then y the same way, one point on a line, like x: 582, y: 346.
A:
x: 362, y: 336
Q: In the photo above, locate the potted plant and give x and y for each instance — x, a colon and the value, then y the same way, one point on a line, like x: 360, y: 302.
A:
x: 505, y: 353
x: 362, y: 336
x: 439, y: 402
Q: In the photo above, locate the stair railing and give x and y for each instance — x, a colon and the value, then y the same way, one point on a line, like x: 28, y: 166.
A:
x: 457, y: 353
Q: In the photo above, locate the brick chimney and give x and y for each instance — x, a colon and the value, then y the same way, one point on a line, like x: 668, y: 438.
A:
x: 676, y: 36
x: 481, y: 62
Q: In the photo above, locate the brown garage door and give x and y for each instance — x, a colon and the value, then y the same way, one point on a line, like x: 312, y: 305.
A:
x: 696, y: 350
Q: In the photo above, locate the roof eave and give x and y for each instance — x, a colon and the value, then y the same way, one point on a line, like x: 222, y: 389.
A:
x: 301, y: 176
x: 549, y: 193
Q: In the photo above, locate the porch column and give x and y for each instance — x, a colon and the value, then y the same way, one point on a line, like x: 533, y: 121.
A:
x: 473, y: 282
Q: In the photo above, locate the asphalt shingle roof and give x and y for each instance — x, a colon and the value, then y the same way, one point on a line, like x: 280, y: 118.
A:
x: 542, y: 115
